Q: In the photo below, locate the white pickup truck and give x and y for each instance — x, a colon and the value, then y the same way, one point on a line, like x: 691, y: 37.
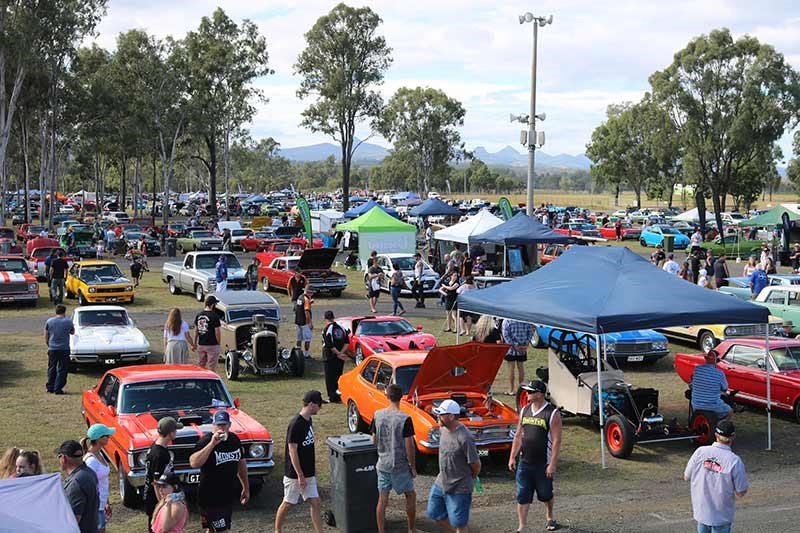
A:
x: 197, y: 273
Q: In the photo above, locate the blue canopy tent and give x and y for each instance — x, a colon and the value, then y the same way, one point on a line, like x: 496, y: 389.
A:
x: 366, y: 207
x: 435, y: 207
x: 597, y: 290
x: 519, y: 230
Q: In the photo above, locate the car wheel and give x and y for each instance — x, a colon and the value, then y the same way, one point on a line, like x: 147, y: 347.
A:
x: 536, y: 340
x: 82, y: 299
x: 232, y: 365
x: 127, y: 492
x: 702, y: 427
x: 198, y: 292
x: 359, y: 355
x: 194, y: 247
x: 797, y: 411
x: 619, y: 436
x: 173, y: 287
x: 355, y: 423
x: 641, y: 242
x: 265, y: 284
x: 298, y: 363
x: 181, y: 249
x: 706, y: 341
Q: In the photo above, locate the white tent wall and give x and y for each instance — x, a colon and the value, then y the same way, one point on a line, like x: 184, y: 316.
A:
x: 391, y: 242
x: 35, y: 504
x: 323, y: 220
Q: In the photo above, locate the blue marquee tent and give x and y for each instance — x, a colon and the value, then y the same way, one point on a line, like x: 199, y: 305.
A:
x: 366, y: 207
x: 435, y: 207
x: 520, y: 230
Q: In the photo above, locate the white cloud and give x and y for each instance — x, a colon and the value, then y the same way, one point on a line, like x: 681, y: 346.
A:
x: 595, y: 53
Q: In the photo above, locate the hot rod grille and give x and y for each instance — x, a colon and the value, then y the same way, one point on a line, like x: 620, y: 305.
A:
x: 8, y: 288
x: 266, y: 351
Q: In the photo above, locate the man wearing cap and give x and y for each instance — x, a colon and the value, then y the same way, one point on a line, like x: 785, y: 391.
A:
x: 450, y: 498
x: 717, y: 476
x: 80, y: 485
x: 302, y: 319
x: 708, y: 383
x: 207, y: 334
x: 334, y: 355
x: 158, y: 461
x: 538, y: 437
x: 221, y: 273
x: 221, y: 460
x: 299, y: 470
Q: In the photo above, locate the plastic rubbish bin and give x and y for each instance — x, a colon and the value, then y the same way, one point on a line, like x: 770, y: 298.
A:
x: 353, y: 474
x: 171, y: 244
x: 669, y: 243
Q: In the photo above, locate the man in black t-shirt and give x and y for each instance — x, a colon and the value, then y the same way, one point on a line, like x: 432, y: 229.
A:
x: 334, y: 354
x: 58, y: 276
x: 221, y: 460
x: 296, y: 285
x: 299, y: 474
x: 158, y: 459
x: 207, y: 334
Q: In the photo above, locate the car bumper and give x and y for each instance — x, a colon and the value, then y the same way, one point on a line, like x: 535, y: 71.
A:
x: 26, y: 297
x: 108, y: 359
x: 636, y: 357
x: 329, y: 286
x: 492, y: 445
x: 102, y: 298
x: 209, y: 247
x: 254, y: 468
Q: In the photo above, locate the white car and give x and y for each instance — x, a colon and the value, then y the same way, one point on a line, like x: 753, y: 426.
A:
x: 405, y: 263
x: 118, y: 217
x: 66, y: 210
x: 105, y: 334
x: 237, y: 235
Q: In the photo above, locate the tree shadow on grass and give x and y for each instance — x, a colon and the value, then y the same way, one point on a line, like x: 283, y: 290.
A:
x: 12, y: 371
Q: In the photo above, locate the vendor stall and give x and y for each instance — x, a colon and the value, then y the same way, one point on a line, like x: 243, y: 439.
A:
x: 381, y: 232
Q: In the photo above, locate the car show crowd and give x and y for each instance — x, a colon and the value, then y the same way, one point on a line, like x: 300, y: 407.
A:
x: 390, y: 355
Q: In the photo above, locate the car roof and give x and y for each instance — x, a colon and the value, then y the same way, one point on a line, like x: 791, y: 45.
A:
x: 786, y: 288
x: 245, y: 298
x: 138, y: 373
x: 101, y: 308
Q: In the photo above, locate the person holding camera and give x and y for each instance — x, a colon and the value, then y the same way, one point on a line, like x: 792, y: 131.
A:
x: 171, y: 512
x: 221, y: 460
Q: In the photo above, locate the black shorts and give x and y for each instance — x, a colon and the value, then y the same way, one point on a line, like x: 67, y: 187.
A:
x: 373, y: 293
x: 516, y: 357
x: 216, y: 518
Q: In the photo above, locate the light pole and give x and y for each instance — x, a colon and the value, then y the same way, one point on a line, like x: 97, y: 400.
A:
x: 531, y: 137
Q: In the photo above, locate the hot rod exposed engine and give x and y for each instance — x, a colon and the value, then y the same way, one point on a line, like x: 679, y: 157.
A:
x: 259, y: 351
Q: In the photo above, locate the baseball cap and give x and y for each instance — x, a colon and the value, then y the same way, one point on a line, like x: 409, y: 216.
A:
x: 98, y: 431
x: 313, y: 396
x: 70, y: 448
x: 222, y: 417
x: 167, y: 425
x: 712, y: 356
x: 329, y: 315
x: 169, y: 477
x: 447, y: 407
x: 725, y: 428
x: 535, y: 385
x: 211, y: 300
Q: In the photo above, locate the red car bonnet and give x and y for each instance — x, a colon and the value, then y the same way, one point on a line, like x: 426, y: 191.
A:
x: 479, y: 363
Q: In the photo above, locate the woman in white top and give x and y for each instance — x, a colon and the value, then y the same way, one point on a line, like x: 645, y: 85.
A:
x: 750, y: 267
x: 467, y: 319
x: 176, y: 339
x: 96, y: 438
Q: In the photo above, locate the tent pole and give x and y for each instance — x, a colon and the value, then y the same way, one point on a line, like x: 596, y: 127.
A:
x: 769, y: 389
x: 505, y: 260
x: 600, y: 401
x: 458, y: 325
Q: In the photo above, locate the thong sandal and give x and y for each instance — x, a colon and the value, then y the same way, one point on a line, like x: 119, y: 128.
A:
x: 551, y: 525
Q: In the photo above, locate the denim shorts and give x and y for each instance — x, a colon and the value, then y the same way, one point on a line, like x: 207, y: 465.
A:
x: 533, y: 479
x: 304, y: 333
x: 451, y: 507
x: 401, y: 482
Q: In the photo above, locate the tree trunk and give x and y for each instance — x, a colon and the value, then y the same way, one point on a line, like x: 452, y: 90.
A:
x: 8, y: 106
x: 227, y: 162
x: 42, y: 165
x: 345, y: 176
x: 123, y: 182
x: 53, y: 168
x: 26, y: 171
x: 700, y: 200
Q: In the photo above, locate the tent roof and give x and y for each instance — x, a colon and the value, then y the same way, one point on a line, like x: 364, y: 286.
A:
x: 520, y: 229
x: 367, y: 206
x: 773, y: 217
x: 476, y: 224
x: 375, y: 221
x: 593, y: 289
x: 434, y: 207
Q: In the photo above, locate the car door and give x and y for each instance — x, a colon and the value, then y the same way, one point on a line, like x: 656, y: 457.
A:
x: 776, y: 301
x: 377, y: 395
x: 744, y: 366
x: 73, y: 276
x: 792, y: 310
x: 365, y: 400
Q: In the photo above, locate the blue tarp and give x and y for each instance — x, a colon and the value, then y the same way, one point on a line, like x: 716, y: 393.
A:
x: 519, y: 230
x: 435, y: 207
x: 365, y: 207
x: 594, y: 289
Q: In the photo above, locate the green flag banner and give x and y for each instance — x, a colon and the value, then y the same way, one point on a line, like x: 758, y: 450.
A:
x: 305, y: 215
x: 505, y: 207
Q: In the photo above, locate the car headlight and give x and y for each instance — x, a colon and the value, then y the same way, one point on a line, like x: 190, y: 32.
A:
x: 33, y: 286
x: 659, y: 345
x: 730, y: 331
x: 611, y: 347
x: 129, y: 288
x: 379, y: 350
x: 433, y: 435
x: 257, y: 450
x: 92, y: 289
x: 141, y: 459
x: 512, y: 431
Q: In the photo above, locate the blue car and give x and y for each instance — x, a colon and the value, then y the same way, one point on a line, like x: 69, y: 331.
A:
x: 654, y: 235
x: 638, y: 346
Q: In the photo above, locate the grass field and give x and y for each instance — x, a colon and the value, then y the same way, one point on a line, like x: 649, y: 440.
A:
x: 35, y: 420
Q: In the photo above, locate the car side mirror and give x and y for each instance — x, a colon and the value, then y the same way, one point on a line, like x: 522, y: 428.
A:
x: 237, y: 402
x: 761, y: 364
x: 112, y: 410
x: 419, y: 327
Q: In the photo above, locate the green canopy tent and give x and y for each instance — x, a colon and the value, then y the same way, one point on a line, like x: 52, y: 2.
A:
x: 381, y: 232
x: 772, y: 218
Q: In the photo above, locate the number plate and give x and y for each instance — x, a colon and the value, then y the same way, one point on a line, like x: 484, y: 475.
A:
x: 635, y: 358
x: 109, y: 361
x: 192, y: 478
x: 111, y: 299
x: 483, y: 452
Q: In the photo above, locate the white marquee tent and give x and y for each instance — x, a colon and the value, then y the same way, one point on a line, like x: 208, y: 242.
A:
x: 462, y: 231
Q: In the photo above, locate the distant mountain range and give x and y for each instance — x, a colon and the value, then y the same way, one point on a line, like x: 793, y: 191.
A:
x: 371, y: 154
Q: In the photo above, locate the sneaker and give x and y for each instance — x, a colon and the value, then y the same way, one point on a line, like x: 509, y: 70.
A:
x: 59, y: 392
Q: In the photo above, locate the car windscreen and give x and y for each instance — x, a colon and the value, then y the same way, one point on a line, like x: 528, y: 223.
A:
x: 270, y: 313
x: 263, y: 235
x: 100, y: 273
x: 35, y: 229
x: 239, y: 232
x: 201, y: 235
x: 669, y: 231
x: 116, y: 317
x: 404, y: 263
x: 404, y: 376
x: 387, y: 327
x: 184, y: 394
x: 177, y: 227
x: 43, y: 252
x: 787, y: 358
x: 17, y: 266
x: 209, y: 261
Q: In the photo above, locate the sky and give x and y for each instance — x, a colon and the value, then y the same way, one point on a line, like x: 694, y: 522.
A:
x: 594, y: 54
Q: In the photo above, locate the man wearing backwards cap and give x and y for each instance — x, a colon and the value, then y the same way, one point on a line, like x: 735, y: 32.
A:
x: 708, y: 382
x: 717, y: 476
x: 80, y: 485
x: 538, y: 436
x: 157, y: 462
x: 450, y: 498
x: 220, y: 458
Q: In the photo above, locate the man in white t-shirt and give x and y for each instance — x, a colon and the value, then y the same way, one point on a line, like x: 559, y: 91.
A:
x: 671, y: 265
x: 696, y: 239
